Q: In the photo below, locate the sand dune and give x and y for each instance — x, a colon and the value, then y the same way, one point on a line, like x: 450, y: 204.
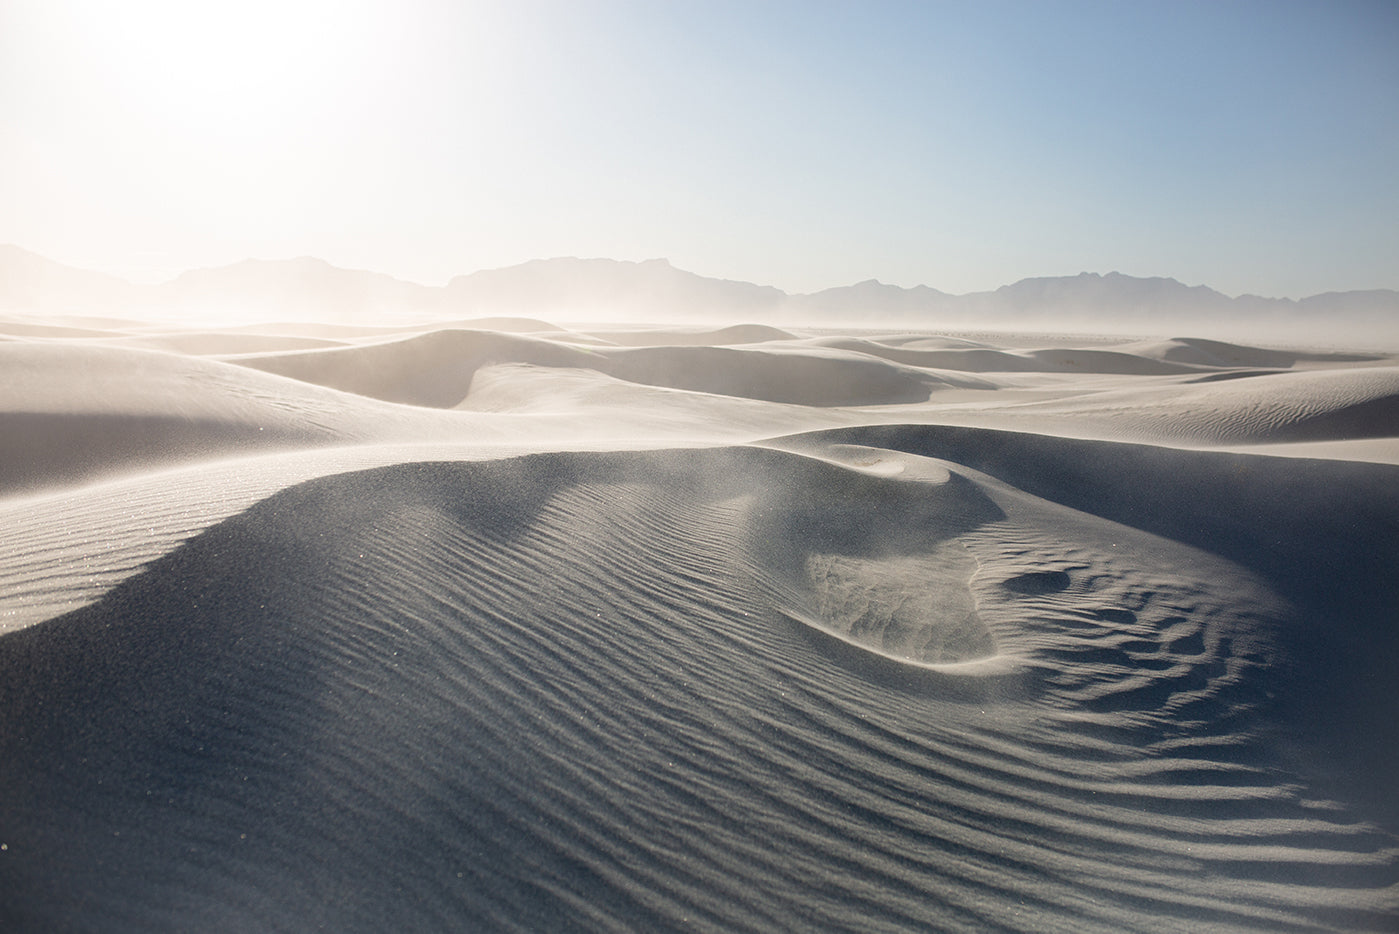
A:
x: 742, y: 629
x: 986, y: 360
x: 433, y: 369
x: 1261, y: 407
x: 1203, y: 352
x: 436, y: 369
x: 216, y: 343
x: 78, y: 412
x: 717, y: 337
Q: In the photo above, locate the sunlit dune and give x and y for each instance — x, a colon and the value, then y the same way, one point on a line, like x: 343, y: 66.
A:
x: 655, y: 628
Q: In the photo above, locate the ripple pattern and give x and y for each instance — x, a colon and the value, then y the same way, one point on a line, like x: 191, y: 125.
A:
x: 588, y: 692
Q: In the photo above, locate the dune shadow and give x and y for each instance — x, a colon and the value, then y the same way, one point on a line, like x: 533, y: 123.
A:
x: 1324, y: 535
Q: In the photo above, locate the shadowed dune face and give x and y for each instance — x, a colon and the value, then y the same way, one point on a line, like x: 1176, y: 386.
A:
x: 835, y: 686
x: 433, y: 370
x: 63, y: 449
x: 1325, y: 535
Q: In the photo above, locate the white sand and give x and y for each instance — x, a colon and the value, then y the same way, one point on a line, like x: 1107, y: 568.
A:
x: 508, y: 626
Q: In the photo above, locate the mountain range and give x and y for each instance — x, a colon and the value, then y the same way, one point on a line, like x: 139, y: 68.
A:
x: 604, y: 289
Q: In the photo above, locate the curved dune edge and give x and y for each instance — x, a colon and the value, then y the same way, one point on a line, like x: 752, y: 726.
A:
x: 882, y: 462
x: 556, y: 691
x: 92, y: 406
x: 902, y: 592
x: 437, y: 369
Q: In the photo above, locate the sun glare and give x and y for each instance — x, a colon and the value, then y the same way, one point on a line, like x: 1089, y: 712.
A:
x: 242, y: 70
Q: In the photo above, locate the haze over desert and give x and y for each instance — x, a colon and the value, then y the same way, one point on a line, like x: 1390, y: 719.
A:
x: 521, y: 625
x: 588, y: 465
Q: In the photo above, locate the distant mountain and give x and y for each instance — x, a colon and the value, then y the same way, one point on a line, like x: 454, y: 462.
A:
x: 29, y: 281
x: 305, y: 286
x: 1363, y: 301
x: 1116, y: 302
x: 603, y: 289
x: 1114, y: 293
x: 875, y: 295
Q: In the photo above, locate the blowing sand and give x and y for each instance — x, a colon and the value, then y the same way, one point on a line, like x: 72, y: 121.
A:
x: 508, y: 626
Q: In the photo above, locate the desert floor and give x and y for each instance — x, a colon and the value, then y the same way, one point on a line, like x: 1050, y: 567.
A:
x: 513, y: 626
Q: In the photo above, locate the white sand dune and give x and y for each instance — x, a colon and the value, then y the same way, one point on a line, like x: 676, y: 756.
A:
x: 1234, y: 407
x: 436, y: 369
x: 520, y: 628
x: 712, y: 337
x: 214, y: 343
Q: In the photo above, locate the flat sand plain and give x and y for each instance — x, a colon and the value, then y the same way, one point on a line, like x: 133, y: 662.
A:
x: 503, y: 625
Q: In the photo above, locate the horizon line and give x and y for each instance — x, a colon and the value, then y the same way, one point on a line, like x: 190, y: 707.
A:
x: 306, y: 257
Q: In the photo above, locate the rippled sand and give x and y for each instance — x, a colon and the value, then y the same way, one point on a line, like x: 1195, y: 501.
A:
x: 746, y: 629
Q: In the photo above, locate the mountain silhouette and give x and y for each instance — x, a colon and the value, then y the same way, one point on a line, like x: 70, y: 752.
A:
x: 605, y: 289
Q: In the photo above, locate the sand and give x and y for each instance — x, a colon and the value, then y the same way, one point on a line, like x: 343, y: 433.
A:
x: 516, y: 625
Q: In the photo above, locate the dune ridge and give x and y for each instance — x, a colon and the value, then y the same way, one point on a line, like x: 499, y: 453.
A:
x: 668, y: 629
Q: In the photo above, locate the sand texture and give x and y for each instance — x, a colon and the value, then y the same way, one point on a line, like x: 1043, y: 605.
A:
x: 511, y: 626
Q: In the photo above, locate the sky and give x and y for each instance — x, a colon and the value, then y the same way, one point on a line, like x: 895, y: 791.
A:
x: 1249, y: 146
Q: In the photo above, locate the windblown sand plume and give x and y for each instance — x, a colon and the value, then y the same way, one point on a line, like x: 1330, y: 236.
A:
x: 510, y: 627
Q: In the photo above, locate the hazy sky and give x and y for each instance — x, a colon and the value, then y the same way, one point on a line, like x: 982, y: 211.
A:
x: 1251, y: 146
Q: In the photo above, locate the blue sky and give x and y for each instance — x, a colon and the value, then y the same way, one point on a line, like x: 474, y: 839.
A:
x: 1253, y: 147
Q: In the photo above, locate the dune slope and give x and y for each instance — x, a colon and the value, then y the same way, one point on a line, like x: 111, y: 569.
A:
x: 498, y: 626
x: 671, y: 690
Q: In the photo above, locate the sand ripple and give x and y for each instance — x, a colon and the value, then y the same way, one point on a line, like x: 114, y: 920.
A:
x: 835, y: 685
